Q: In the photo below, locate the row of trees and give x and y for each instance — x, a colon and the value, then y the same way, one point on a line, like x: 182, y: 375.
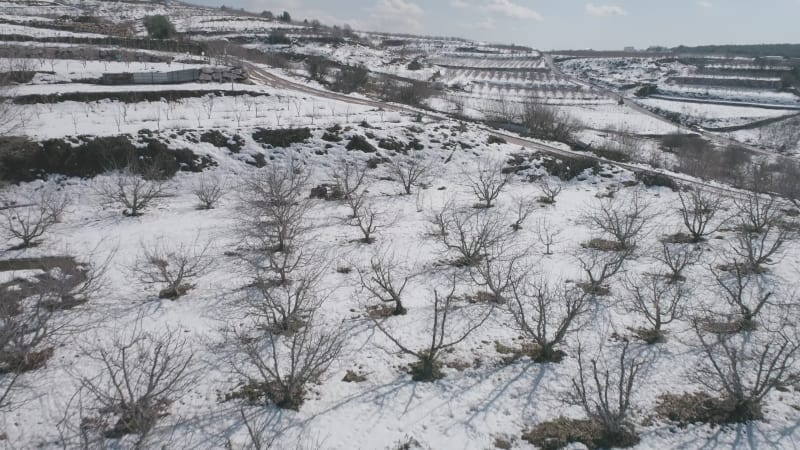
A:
x: 476, y: 242
x: 283, y: 340
x: 541, y: 120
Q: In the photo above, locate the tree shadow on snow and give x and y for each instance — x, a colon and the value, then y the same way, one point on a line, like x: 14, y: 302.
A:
x: 750, y: 435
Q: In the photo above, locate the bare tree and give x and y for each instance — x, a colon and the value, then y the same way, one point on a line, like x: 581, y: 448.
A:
x: 698, y: 210
x: 385, y: 280
x: 756, y: 250
x: 356, y: 202
x: 367, y: 219
x: 443, y: 334
x: 745, y: 298
x: 468, y: 233
x: 656, y: 300
x: 274, y: 206
x: 143, y: 373
x: 782, y: 136
x: 523, y: 207
x: 31, y: 318
x: 409, y: 171
x: 172, y: 265
x: 208, y: 190
x: 550, y: 188
x: 458, y: 103
x: 545, y: 313
x: 604, y: 391
x: 10, y: 117
x: 676, y: 258
x: 278, y: 368
x: 134, y: 192
x: 208, y: 105
x: 546, y: 234
x: 743, y: 369
x: 621, y: 218
x: 27, y: 325
x: 279, y: 268
x: 504, y: 110
x: 546, y: 122
x: 284, y: 307
x: 757, y: 212
x: 626, y: 141
x: 487, y: 181
x: 349, y: 177
x: 502, y: 266
x: 599, y: 266
x: 35, y: 215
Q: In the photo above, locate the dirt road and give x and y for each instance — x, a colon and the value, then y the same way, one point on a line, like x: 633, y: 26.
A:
x: 260, y: 75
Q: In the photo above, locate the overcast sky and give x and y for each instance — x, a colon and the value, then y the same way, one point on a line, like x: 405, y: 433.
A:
x: 558, y: 24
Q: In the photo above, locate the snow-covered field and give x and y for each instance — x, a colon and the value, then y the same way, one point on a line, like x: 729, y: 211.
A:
x: 740, y: 95
x: 500, y: 61
x: 247, y: 25
x: 613, y: 116
x: 622, y: 72
x: 376, y: 59
x: 474, y: 404
x: 630, y: 73
x: 483, y: 401
x: 6, y: 28
x: 210, y: 111
x: 708, y: 115
x: 69, y: 70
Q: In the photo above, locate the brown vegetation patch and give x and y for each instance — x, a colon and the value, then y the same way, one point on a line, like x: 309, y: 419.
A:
x: 561, y: 432
x: 354, y: 377
x: 700, y: 407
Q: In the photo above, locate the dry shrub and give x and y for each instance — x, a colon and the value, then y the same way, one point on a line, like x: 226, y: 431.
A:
x: 697, y: 407
x: 561, y: 432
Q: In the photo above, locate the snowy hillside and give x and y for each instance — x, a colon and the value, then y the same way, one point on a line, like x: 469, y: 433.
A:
x: 380, y: 241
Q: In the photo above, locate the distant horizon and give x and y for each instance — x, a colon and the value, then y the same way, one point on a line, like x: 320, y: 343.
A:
x: 643, y: 48
x: 568, y: 24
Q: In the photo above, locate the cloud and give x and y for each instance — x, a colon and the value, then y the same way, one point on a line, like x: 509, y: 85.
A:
x: 397, y: 15
x: 605, y: 10
x: 401, y: 7
x: 513, y: 10
x: 487, y: 24
x: 459, y: 4
x: 705, y: 4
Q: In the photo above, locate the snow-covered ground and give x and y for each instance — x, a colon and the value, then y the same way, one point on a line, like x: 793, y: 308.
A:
x: 231, y: 24
x: 613, y: 116
x: 103, y: 118
x: 627, y: 74
x: 496, y: 61
x: 6, y: 28
x: 469, y: 408
x: 68, y: 70
x: 709, y: 115
x: 481, y: 398
x: 622, y: 72
x: 740, y: 95
x: 378, y: 60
